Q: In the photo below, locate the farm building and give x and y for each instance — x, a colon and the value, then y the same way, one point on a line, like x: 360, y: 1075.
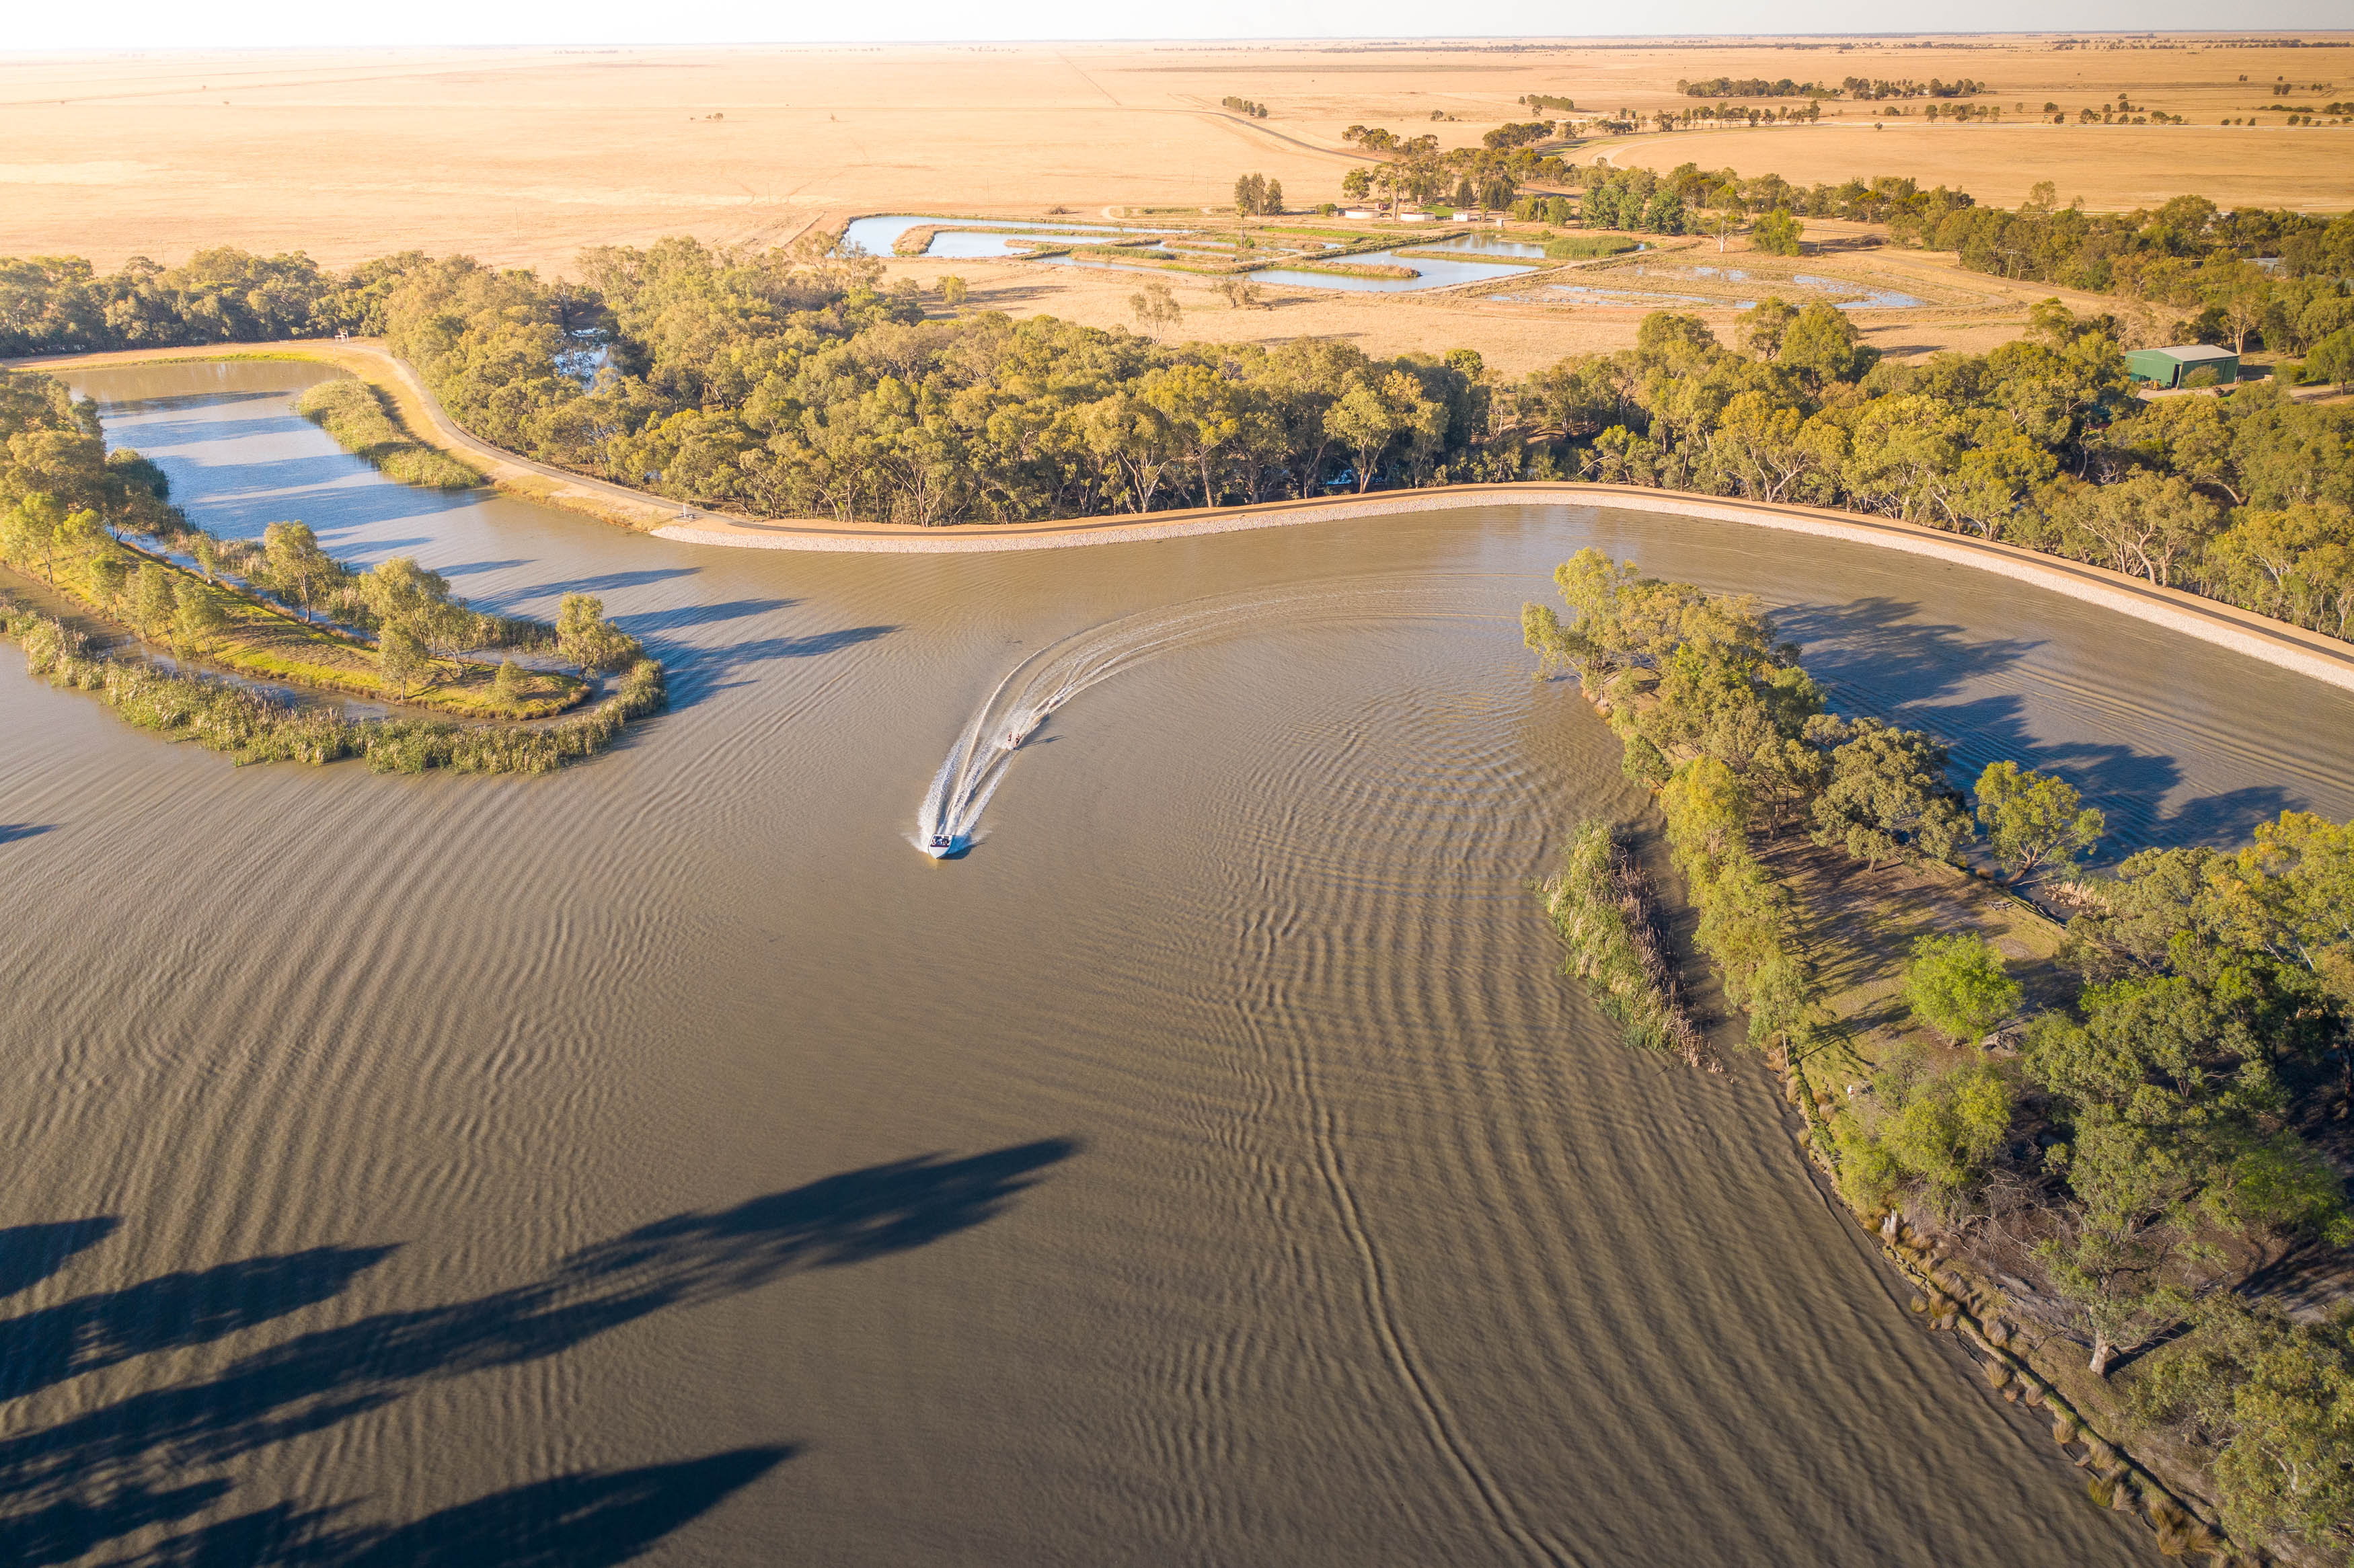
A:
x: 2173, y: 367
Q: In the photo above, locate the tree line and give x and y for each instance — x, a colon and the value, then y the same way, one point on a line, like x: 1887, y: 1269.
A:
x: 2129, y: 1156
x: 2198, y: 260
x: 793, y: 383
x: 52, y: 304
x: 1755, y: 86
x: 1416, y: 169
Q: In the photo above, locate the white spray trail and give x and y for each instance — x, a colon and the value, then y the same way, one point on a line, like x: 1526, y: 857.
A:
x: 1033, y: 690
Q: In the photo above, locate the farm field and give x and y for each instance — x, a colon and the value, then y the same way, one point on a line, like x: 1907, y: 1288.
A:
x: 1515, y: 327
x: 524, y: 157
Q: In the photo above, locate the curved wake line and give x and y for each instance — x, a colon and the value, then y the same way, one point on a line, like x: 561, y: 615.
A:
x: 948, y: 822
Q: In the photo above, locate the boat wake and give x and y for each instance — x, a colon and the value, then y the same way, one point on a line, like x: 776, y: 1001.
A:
x: 949, y: 822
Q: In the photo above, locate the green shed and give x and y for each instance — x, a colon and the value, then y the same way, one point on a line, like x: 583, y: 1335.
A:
x: 2172, y: 366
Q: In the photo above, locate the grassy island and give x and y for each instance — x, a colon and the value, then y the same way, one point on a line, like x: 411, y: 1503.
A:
x: 2100, y: 1121
x: 354, y: 413
x: 1380, y: 270
x: 116, y: 592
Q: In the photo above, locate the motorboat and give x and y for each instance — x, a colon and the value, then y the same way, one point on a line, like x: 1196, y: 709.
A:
x: 940, y: 845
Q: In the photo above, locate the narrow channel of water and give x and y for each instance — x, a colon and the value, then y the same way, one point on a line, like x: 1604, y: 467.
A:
x: 1429, y: 272
x: 879, y: 236
x: 1211, y: 1167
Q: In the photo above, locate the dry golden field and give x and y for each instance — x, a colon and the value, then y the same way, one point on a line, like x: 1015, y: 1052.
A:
x: 1512, y: 338
x: 522, y: 157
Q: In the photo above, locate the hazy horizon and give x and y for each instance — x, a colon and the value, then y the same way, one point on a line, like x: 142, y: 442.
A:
x: 145, y: 24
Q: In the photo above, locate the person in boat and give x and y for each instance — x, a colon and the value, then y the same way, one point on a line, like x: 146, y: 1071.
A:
x: 942, y: 842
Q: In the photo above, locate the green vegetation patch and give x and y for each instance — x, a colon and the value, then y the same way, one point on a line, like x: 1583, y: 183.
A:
x: 2125, y: 1127
x: 1128, y: 253
x: 1601, y: 904
x: 356, y: 414
x: 1354, y: 269
x: 250, y: 726
x: 278, y: 610
x: 1419, y: 254
x: 1573, y: 246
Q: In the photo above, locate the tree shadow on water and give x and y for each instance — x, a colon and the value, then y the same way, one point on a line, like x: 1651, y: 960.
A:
x: 591, y: 1520
x: 602, y: 583
x: 1875, y: 660
x: 30, y: 1254
x: 46, y: 1347
x: 1876, y: 643
x: 139, y: 1462
x: 695, y: 673
x: 678, y: 618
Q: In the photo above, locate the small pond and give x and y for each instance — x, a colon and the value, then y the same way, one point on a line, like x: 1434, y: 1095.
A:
x: 1429, y: 273
x: 877, y: 236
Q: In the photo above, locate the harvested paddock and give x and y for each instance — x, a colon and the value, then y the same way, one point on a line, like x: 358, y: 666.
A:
x: 524, y: 157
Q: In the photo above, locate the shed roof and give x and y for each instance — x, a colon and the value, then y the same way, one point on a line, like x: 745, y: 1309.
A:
x: 2190, y: 353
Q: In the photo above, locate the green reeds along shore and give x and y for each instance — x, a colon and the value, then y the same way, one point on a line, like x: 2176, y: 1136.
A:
x: 1601, y: 903
x: 252, y: 726
x: 353, y: 413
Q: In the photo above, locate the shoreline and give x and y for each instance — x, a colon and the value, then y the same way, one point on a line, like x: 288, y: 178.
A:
x: 2022, y: 1361
x: 2275, y: 643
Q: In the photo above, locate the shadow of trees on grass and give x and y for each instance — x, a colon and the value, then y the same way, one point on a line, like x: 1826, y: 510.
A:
x: 139, y: 1462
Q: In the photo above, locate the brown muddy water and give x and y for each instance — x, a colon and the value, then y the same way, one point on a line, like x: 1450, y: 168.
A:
x: 666, y: 1158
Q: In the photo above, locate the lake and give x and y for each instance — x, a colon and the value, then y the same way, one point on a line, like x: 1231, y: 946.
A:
x: 1211, y: 1167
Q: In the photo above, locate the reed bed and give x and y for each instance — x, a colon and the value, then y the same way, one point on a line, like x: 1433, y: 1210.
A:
x: 353, y: 413
x: 1601, y: 904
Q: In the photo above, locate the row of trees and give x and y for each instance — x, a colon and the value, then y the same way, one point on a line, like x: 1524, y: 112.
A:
x: 2040, y: 443
x: 734, y: 384
x: 2145, y: 1148
x: 2186, y: 253
x: 1416, y: 169
x: 1859, y: 87
x: 1905, y: 86
x: 60, y: 304
x: 789, y: 383
x: 1753, y: 87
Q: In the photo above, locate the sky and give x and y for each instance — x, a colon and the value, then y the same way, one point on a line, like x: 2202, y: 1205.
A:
x: 245, y: 23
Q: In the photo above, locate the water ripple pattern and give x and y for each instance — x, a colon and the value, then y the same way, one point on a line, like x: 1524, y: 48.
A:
x: 655, y: 1159
x: 1032, y: 690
